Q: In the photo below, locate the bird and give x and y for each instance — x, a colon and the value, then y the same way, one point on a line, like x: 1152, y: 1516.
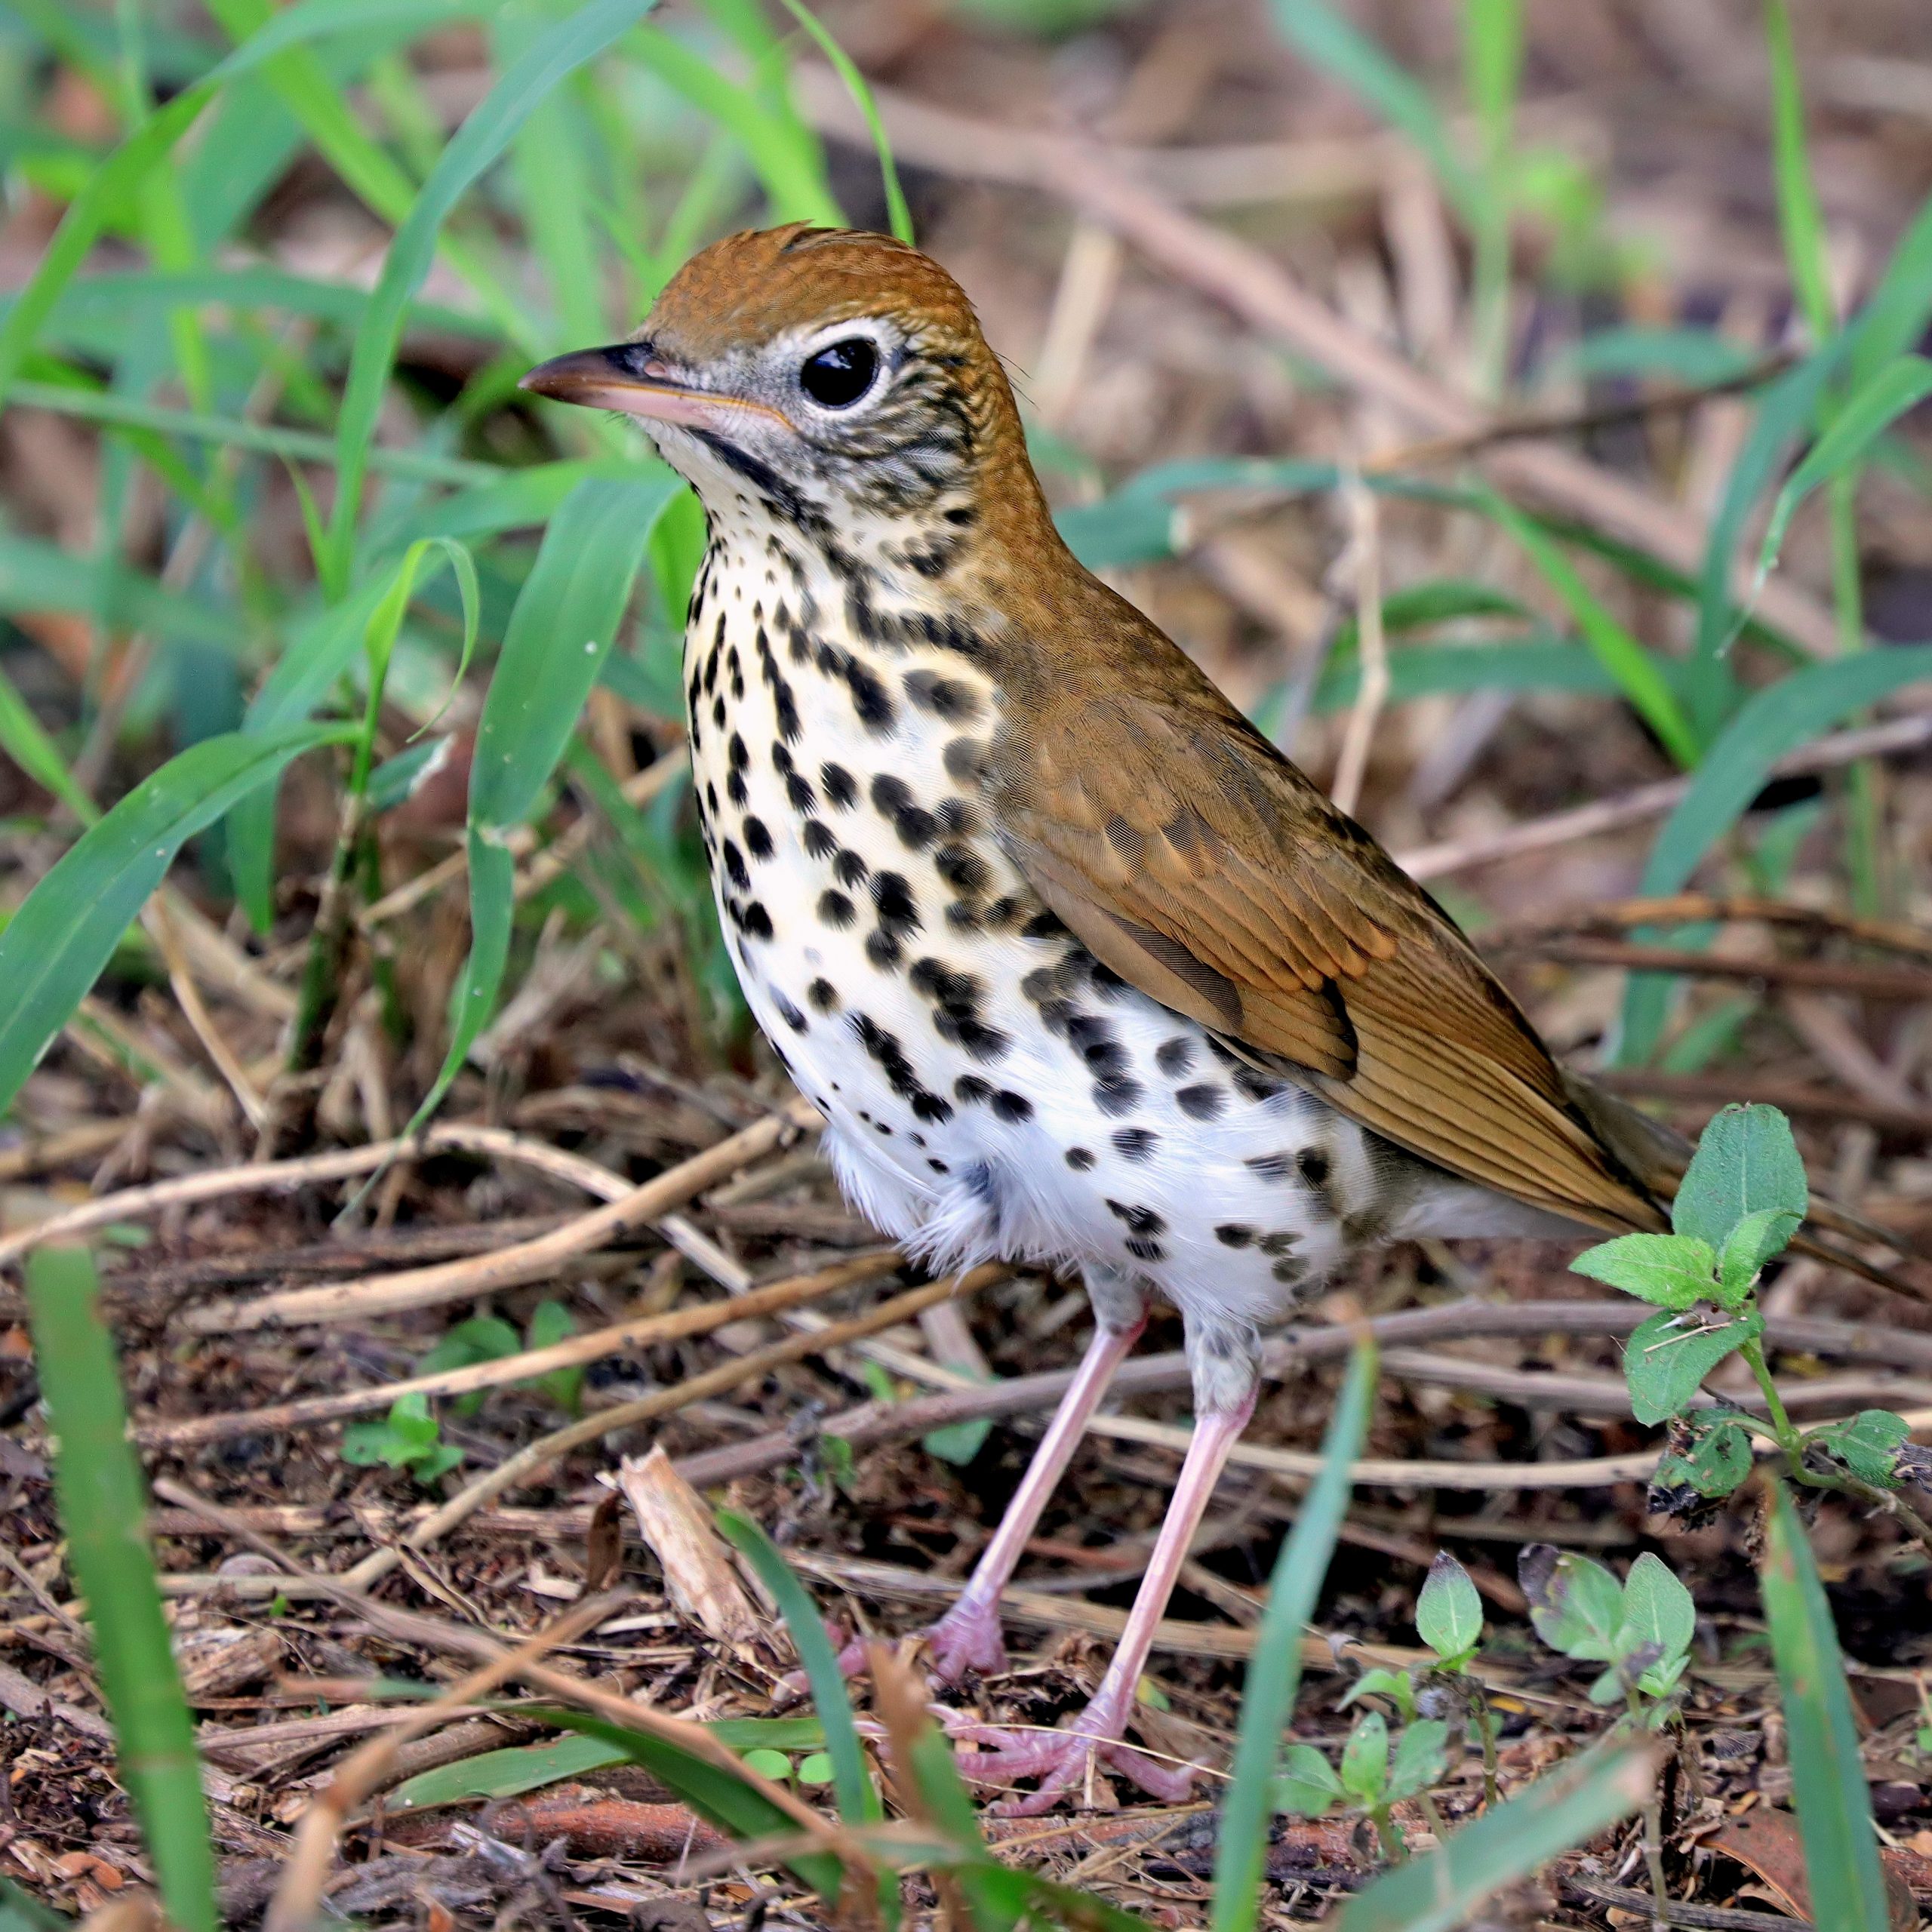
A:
x: 1080, y: 969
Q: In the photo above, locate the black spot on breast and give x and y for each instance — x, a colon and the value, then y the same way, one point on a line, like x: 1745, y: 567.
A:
x: 790, y: 1014
x: 1043, y: 925
x: 1204, y: 1102
x: 1097, y: 1046
x: 839, y: 786
x: 758, y: 840
x: 1254, y: 1084
x: 1288, y: 1270
x: 818, y: 839
x: 885, y: 1049
x: 1311, y: 1163
x: 892, y: 895
x: 1009, y: 1105
x: 734, y: 865
x: 966, y: 761
x: 1174, y: 1057
x: 971, y: 1088
x: 944, y: 697
x: 740, y: 757
x: 756, y: 921
x: 798, y: 789
x: 883, y: 949
x: 1136, y: 1143
x: 1141, y: 1220
x: 1080, y: 1159
x: 848, y: 868
x: 734, y: 789
x: 1280, y: 1242
x: 892, y: 797
x: 718, y: 713
x: 836, y: 910
x: 962, y: 868
x: 938, y: 1166
x: 1234, y: 1234
x: 869, y: 696
x: 823, y: 995
x: 1117, y: 1094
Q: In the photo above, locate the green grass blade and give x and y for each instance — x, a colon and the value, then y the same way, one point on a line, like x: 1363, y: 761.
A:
x: 104, y: 1508
x: 1800, y: 218
x: 1771, y: 722
x: 783, y: 153
x: 1894, y: 319
x: 1268, y: 1703
x: 566, y: 616
x: 21, y: 738
x: 1344, y: 51
x: 733, y: 1804
x: 579, y: 37
x: 54, y: 947
x: 1697, y: 358
x: 858, y: 1801
x: 1637, y: 672
x: 1568, y: 1807
x: 560, y: 633
x: 1856, y: 423
x: 899, y: 216
x: 1827, y: 1777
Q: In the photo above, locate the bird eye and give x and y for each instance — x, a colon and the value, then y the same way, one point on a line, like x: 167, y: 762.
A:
x: 839, y: 373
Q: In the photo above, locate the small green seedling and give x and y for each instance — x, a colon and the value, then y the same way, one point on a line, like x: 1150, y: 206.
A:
x: 1449, y: 1620
x: 407, y: 1438
x: 1640, y: 1630
x: 489, y: 1338
x: 1372, y: 1780
x: 1743, y: 1197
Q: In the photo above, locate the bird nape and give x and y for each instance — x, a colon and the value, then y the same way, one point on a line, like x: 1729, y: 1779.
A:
x: 1079, y: 968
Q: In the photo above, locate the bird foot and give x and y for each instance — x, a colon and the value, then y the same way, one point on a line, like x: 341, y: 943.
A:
x: 1067, y: 1762
x: 965, y: 1640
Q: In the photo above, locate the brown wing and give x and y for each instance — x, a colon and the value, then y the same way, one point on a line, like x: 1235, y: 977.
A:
x: 1202, y: 867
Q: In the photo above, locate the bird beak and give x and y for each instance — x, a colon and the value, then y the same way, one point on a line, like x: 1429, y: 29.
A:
x: 627, y: 376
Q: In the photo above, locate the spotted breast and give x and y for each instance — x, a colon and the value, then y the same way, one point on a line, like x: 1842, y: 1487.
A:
x: 991, y: 1089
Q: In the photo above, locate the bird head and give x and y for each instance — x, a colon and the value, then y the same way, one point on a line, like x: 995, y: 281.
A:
x: 820, y: 376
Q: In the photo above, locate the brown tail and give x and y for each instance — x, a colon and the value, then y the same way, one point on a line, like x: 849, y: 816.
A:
x: 1657, y: 1156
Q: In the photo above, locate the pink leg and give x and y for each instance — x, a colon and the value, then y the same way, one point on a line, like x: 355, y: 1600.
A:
x: 1063, y: 1760
x: 967, y: 1637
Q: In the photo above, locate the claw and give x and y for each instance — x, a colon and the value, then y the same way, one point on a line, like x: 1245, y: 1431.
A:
x: 966, y: 1639
x: 1064, y: 1762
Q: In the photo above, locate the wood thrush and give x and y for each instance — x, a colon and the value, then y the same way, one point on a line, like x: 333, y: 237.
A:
x: 1079, y: 968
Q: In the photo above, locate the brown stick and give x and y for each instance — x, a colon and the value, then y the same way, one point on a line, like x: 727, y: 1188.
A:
x: 882, y: 1422
x: 1887, y: 982
x: 1910, y: 733
x: 1792, y: 1096
x: 678, y: 1325
x: 1703, y: 907
x: 523, y: 1262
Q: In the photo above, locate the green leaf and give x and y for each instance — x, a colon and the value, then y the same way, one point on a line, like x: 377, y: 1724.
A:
x: 53, y: 948
x: 1306, y: 1784
x: 1657, y: 1609
x: 486, y: 133
x: 1364, y: 1768
x: 1576, y: 1604
x: 1673, y: 1271
x: 1856, y: 425
x: 858, y: 1801
x: 1868, y: 1445
x: 103, y: 1510
x: 1274, y: 1674
x: 506, y: 1773
x: 1639, y: 674
x: 551, y: 1322
x: 735, y: 1807
x: 1828, y: 1777
x: 1666, y: 1360
x: 21, y: 1912
x: 773, y: 1764
x: 1757, y: 1237
x: 815, y: 1770
x: 1422, y: 1757
x: 1746, y: 1161
x: 1698, y: 358
x: 1449, y: 1610
x: 1393, y: 1684
x: 1716, y: 1457
x: 1566, y: 1809
x: 481, y: 1338
x: 21, y: 738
